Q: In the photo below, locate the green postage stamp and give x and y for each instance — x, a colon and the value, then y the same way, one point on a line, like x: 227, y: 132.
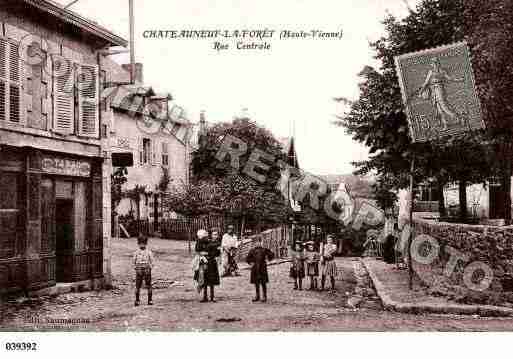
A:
x: 438, y: 92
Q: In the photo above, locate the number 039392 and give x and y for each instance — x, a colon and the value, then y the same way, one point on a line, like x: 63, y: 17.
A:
x: 20, y: 346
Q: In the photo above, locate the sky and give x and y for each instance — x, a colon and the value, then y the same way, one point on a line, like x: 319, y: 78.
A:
x: 289, y: 89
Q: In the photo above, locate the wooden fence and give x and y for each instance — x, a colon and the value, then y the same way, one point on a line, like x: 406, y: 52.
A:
x: 276, y: 239
x: 180, y: 228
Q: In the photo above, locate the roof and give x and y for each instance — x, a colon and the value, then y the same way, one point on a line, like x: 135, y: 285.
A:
x: 289, y: 149
x: 77, y: 20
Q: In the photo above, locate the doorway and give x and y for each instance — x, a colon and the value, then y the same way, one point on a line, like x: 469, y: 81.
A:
x: 497, y: 202
x: 64, y: 239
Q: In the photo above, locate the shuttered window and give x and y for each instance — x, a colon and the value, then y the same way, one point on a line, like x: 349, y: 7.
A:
x: 146, y: 151
x: 88, y: 100
x: 141, y: 152
x: 63, y: 95
x: 154, y: 157
x: 10, y: 82
x: 165, y: 154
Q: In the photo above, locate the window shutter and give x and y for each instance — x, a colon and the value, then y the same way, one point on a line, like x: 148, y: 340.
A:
x: 154, y: 152
x: 15, y: 84
x: 140, y: 147
x: 10, y: 82
x: 63, y: 95
x: 88, y: 101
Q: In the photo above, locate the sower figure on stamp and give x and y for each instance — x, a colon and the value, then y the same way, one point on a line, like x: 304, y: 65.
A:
x: 229, y: 245
x: 208, y: 250
x: 143, y: 263
x: 434, y: 87
x: 257, y: 258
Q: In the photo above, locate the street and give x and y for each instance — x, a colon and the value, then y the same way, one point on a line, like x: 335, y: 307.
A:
x: 177, y: 307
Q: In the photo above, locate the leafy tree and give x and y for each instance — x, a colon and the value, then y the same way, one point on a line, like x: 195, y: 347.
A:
x: 378, y: 118
x: 489, y: 31
x: 217, y: 188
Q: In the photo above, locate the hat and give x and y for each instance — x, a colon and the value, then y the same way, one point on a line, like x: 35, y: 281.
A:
x: 202, y: 234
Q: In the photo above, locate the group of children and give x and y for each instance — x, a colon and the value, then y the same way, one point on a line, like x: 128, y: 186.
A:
x: 318, y: 262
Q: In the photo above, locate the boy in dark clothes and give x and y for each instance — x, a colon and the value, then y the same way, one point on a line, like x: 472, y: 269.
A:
x: 257, y: 258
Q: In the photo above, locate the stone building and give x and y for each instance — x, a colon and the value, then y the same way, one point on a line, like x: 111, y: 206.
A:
x: 157, y: 143
x: 54, y: 191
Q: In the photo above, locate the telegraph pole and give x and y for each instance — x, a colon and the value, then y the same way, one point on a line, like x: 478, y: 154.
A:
x: 132, y: 47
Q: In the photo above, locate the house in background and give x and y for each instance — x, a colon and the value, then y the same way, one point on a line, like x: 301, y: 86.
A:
x: 54, y: 189
x: 160, y: 157
x: 484, y: 202
x: 358, y: 186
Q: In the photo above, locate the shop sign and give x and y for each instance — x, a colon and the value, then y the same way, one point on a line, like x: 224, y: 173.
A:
x: 66, y: 167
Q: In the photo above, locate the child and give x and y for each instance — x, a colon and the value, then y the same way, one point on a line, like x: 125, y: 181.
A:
x: 297, y: 271
x: 312, y: 264
x: 257, y: 258
x: 143, y: 263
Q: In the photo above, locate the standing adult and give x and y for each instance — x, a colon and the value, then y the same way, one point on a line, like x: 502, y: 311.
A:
x: 229, y: 245
x: 208, y: 250
x: 328, y: 265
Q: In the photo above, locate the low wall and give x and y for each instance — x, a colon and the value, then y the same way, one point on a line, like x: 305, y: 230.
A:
x: 490, y: 245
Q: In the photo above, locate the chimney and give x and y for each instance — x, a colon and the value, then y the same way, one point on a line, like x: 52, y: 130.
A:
x: 138, y: 73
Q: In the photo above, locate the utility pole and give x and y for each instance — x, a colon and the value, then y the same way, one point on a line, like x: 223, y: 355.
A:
x: 132, y: 47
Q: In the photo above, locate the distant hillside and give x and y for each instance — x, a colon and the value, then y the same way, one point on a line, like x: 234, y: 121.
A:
x: 358, y: 186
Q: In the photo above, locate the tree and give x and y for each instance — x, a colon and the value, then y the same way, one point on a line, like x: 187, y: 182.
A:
x: 489, y: 31
x: 378, y: 118
x: 217, y: 188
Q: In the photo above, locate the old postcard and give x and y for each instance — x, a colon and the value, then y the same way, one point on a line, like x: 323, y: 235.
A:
x: 254, y: 166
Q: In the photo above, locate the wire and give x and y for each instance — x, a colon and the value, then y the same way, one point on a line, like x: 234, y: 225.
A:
x: 71, y: 3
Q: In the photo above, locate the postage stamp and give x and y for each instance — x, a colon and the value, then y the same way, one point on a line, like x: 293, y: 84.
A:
x: 439, y: 92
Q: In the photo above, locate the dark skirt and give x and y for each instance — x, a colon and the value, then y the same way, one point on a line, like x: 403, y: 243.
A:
x: 312, y: 269
x: 298, y: 269
x: 259, y: 274
x: 212, y: 273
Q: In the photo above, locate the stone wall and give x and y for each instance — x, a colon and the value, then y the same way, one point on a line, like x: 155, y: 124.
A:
x: 490, y: 245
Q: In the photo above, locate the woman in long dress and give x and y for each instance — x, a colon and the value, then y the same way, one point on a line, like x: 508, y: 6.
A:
x: 434, y: 88
x: 208, y: 250
x: 328, y: 265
